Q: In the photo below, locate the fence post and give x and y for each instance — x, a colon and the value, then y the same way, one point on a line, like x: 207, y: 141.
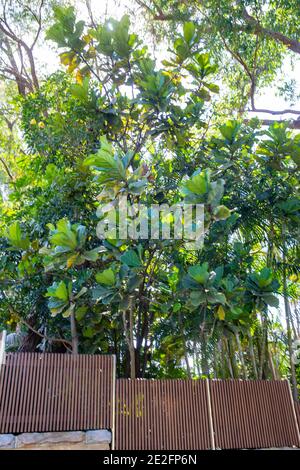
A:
x: 114, y: 372
x: 2, y: 347
x: 211, y: 426
x: 294, y: 412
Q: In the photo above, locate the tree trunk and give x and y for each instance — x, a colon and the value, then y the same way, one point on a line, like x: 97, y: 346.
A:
x: 188, y: 369
x: 231, y: 350
x: 74, y: 333
x: 264, y: 340
x: 252, y: 356
x: 222, y: 364
x: 238, y: 342
x: 288, y: 316
x: 131, y: 347
x: 129, y: 339
x: 228, y: 359
x: 197, y: 359
x: 204, y: 361
x: 271, y: 363
x: 216, y: 361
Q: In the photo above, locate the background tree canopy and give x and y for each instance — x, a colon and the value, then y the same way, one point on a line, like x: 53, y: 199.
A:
x: 118, y: 118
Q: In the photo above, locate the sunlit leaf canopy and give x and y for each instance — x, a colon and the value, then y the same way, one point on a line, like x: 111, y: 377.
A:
x: 118, y: 118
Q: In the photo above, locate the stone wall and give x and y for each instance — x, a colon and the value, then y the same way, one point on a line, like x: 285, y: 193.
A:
x: 69, y: 440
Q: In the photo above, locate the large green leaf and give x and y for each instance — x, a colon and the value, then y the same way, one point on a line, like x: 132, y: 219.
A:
x: 60, y: 291
x: 81, y: 312
x: 64, y: 235
x: 199, y: 273
x: 198, y: 184
x: 121, y: 36
x: 68, y: 311
x: 106, y: 277
x: 102, y: 293
x: 197, y: 298
x: 131, y: 259
x: 15, y: 237
x: 229, y: 130
x: 271, y: 300
x: 93, y: 255
x: 188, y: 31
x: 216, y: 298
x: 107, y: 163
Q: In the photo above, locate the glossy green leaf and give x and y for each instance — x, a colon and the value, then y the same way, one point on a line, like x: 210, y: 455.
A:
x: 106, y: 277
x: 131, y: 259
x: 199, y: 272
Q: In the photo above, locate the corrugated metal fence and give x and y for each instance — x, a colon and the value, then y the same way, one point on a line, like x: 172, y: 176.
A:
x: 63, y: 392
x: 186, y: 414
x: 161, y: 414
x: 55, y: 392
x: 297, y: 409
x: 253, y: 414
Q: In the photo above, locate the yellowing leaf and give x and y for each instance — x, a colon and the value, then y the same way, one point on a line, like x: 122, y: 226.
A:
x: 87, y: 38
x: 222, y: 213
x: 66, y: 58
x: 221, y: 313
x: 35, y: 245
x: 72, y: 65
x: 79, y: 77
x: 72, y: 260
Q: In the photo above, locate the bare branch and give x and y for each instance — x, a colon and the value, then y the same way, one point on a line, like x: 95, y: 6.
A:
x: 39, y: 21
x: 90, y: 12
x: 52, y: 340
x: 160, y: 15
x: 273, y: 112
x: 6, y: 169
x: 11, y: 36
x: 294, y: 124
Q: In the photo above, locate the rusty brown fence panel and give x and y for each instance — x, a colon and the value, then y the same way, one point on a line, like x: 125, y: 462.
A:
x: 297, y: 410
x: 161, y: 414
x: 174, y: 414
x: 253, y: 414
x: 56, y: 392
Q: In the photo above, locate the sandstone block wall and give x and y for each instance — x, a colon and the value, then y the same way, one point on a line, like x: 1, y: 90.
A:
x: 68, y: 440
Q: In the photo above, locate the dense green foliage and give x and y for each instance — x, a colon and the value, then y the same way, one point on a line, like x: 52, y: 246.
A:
x: 114, y: 122
x: 252, y: 40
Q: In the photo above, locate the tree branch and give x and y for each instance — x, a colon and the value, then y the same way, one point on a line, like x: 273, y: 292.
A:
x: 290, y: 43
x: 8, y: 32
x: 273, y: 112
x: 294, y: 124
x: 6, y: 169
x: 53, y: 340
x: 160, y: 15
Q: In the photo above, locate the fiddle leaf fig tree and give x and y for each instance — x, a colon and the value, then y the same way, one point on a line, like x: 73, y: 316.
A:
x: 109, y: 141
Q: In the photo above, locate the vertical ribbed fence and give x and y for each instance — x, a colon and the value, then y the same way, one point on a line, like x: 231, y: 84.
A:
x: 174, y: 414
x: 161, y: 414
x: 56, y: 392
x: 252, y: 414
x: 63, y: 392
x: 297, y: 410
